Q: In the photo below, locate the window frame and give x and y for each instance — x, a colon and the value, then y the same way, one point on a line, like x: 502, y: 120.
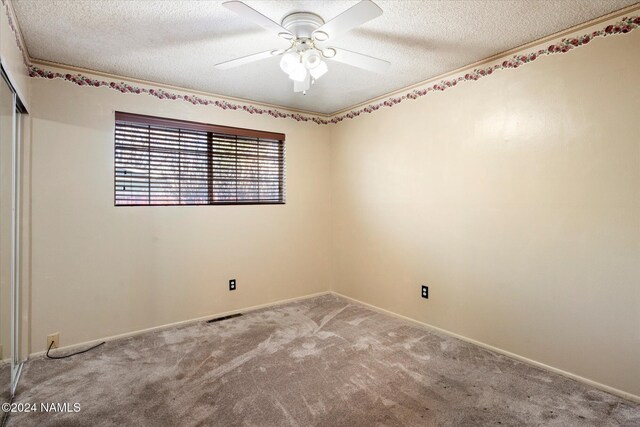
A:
x: 141, y: 119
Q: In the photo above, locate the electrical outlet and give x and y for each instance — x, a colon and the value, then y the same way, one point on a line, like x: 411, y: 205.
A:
x: 425, y: 292
x: 55, y: 338
x: 232, y: 284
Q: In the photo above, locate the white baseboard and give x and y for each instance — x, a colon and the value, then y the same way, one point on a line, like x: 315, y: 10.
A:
x: 603, y: 387
x: 182, y: 322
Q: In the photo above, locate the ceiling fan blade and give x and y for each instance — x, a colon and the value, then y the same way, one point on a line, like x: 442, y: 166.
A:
x: 357, y: 15
x: 246, y: 59
x: 258, y: 18
x: 359, y: 60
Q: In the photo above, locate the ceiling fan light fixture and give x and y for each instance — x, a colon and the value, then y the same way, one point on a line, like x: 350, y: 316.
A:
x: 289, y: 61
x: 298, y: 73
x: 319, y: 71
x: 311, y: 59
x: 320, y: 36
x: 329, y: 52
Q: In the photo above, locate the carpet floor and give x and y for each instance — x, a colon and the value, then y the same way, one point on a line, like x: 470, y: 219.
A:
x: 318, y: 362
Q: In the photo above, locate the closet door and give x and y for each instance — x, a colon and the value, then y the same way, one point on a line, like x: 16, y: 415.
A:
x: 6, y: 147
x: 10, y: 237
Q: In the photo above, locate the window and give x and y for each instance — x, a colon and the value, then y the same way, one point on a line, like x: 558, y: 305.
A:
x: 171, y: 162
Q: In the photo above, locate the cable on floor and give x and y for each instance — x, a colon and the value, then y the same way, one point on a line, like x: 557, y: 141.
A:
x: 72, y: 354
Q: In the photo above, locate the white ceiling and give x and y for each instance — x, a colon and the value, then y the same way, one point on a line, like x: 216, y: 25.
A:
x: 178, y: 42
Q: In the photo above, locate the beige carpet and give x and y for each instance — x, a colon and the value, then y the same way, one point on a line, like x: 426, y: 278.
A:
x: 322, y: 362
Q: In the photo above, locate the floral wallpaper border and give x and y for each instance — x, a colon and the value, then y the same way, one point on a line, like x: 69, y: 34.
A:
x: 625, y: 25
x: 123, y: 87
x: 16, y: 33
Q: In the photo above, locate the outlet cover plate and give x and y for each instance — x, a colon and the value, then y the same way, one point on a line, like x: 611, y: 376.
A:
x: 232, y: 284
x: 425, y: 292
x: 55, y: 337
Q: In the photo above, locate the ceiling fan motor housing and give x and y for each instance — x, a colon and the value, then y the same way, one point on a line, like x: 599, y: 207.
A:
x: 302, y: 24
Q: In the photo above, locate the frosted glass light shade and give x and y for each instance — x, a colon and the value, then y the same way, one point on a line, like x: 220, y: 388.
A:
x: 298, y: 72
x: 319, y: 71
x: 311, y: 59
x: 289, y: 61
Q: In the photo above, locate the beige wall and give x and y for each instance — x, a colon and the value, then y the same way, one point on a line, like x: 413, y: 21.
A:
x: 516, y: 198
x: 99, y: 270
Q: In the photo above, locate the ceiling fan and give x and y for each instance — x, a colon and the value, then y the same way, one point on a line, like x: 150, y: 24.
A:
x: 308, y: 34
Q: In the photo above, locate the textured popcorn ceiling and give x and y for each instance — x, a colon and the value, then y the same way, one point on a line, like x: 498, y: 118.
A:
x: 178, y: 42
